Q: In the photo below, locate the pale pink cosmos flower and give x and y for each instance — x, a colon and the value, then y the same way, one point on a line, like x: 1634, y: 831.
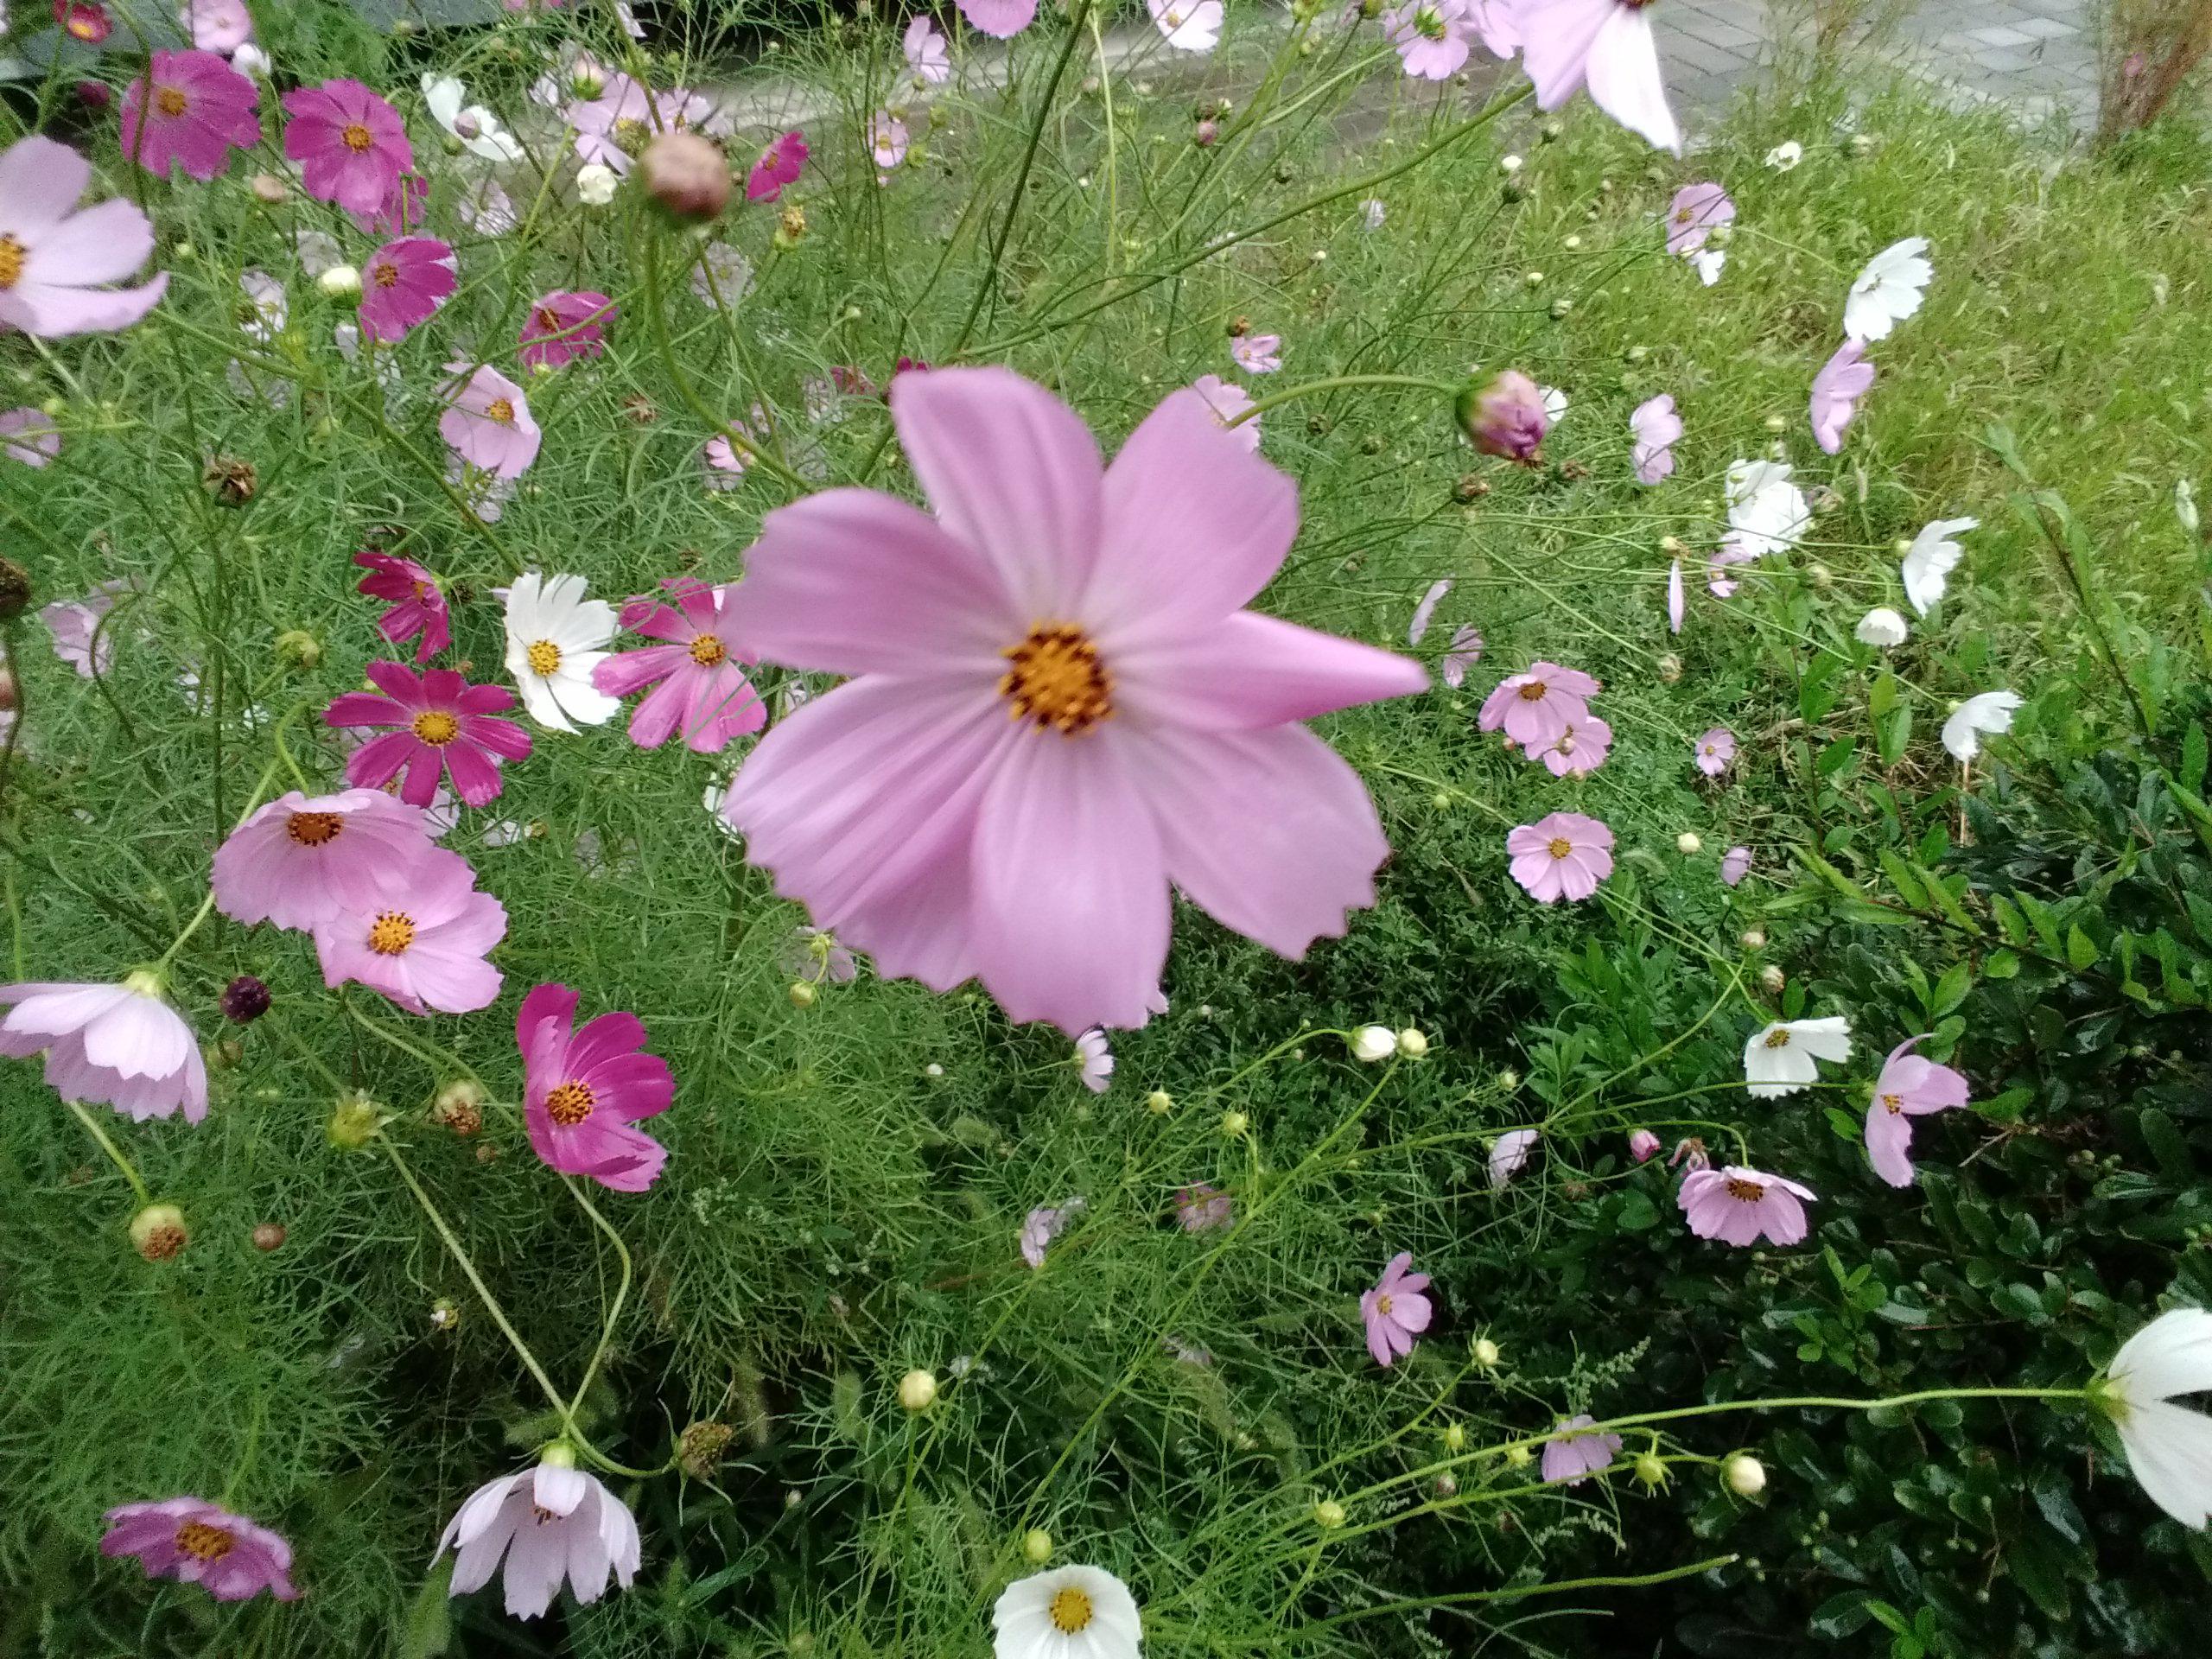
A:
x: 216, y: 25
x: 351, y: 145
x: 1509, y: 1154
x: 1508, y: 417
x: 200, y: 110
x: 1643, y: 1144
x: 119, y: 1044
x: 423, y: 946
x: 484, y: 208
x: 812, y: 954
x: 55, y: 259
x: 1257, y: 353
x: 1203, y: 1208
x: 722, y: 275
x: 1677, y: 601
x: 433, y: 722
x: 1842, y: 381
x: 1154, y: 733
x: 927, y: 54
x: 418, y: 606
x: 551, y: 1523
x: 585, y: 1092
x: 195, y: 1541
x: 1043, y: 1226
x: 1000, y: 19
x: 1579, y: 750
x: 564, y: 326
x: 28, y: 435
x: 1715, y: 750
x: 1654, y: 428
x: 1578, y: 1451
x: 1226, y: 401
x: 887, y: 140
x: 488, y: 422
x: 1466, y: 650
x: 1188, y: 25
x: 1433, y: 37
x: 1094, y: 1060
x: 302, y: 860
x: 697, y: 670
x: 1697, y: 211
x: 1740, y: 1206
x: 401, y: 284
x: 1417, y: 629
x: 780, y: 164
x: 1735, y: 865
x: 1563, y: 855
x: 1607, y: 44
x: 81, y: 637
x: 1908, y: 1087
x: 1536, y: 708
x: 1396, y: 1311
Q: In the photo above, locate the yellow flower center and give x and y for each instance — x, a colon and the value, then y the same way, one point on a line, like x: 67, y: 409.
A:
x: 12, y: 254
x: 436, y: 726
x: 1383, y: 1303
x: 1559, y: 847
x: 1056, y: 680
x: 707, y: 652
x: 313, y: 829
x: 387, y: 276
x: 630, y: 135
x: 1893, y: 1104
x: 1778, y: 1038
x: 1072, y: 1611
x: 84, y: 28
x: 203, y: 1542
x: 169, y: 101
x: 1744, y: 1191
x: 391, y: 933
x: 501, y: 411
x: 544, y: 657
x: 1534, y: 691
x: 570, y: 1104
x: 548, y: 320
x: 357, y: 137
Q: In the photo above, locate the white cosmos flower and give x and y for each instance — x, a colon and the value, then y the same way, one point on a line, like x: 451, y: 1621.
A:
x: 1709, y: 262
x: 1782, y: 158
x: 1767, y: 513
x: 264, y: 314
x: 1779, y: 1060
x: 555, y: 637
x: 1881, y: 626
x: 477, y: 128
x: 1188, y: 25
x: 1889, y: 290
x: 1066, y: 1612
x: 2168, y: 1446
x: 550, y: 1523
x: 1555, y: 404
x: 249, y: 59
x: 595, y: 184
x: 1094, y: 1060
x: 1987, y: 711
x: 1371, y: 1045
x: 1509, y: 1154
x: 1931, y: 560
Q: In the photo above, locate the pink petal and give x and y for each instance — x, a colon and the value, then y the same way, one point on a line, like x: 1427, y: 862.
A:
x: 1889, y: 1144
x: 1252, y: 671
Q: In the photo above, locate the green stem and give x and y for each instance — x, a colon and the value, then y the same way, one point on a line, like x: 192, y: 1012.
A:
x: 1513, y: 1592
x: 1335, y: 382
x: 107, y: 1145
x: 621, y: 1293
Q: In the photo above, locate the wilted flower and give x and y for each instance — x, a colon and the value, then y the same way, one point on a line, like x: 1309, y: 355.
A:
x: 1785, y: 156
x: 1466, y: 650
x: 1643, y: 1144
x: 1202, y: 1208
x: 1418, y: 627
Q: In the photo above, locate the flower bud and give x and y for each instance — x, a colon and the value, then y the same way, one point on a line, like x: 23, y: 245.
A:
x: 1670, y: 668
x: 1373, y: 1044
x: 1688, y: 844
x: 1651, y: 1470
x: 1752, y: 938
x: 269, y: 190
x: 1643, y: 1144
x: 1413, y: 1043
x: 1329, y: 1515
x: 1771, y: 980
x: 1037, y: 1546
x: 1744, y: 1474
x: 339, y: 283
x: 1508, y: 1080
x: 1207, y: 134
x: 1455, y: 1438
x: 15, y: 590
x: 699, y: 1449
x: 1486, y: 1353
x: 1777, y: 425
x: 1234, y: 1124
x: 445, y: 1314
x: 297, y: 648
x: 1519, y: 1456
x: 595, y: 184
x: 269, y: 1235
x: 1820, y: 575
x: 353, y: 1124
x: 790, y: 228
x: 244, y: 999
x: 687, y: 175
x: 158, y: 1232
x: 1504, y: 418
x: 801, y: 994
x: 918, y: 1390
x: 1159, y: 1103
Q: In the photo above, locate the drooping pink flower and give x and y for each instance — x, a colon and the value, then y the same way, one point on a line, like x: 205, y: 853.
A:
x: 1908, y: 1087
x: 120, y: 1044
x: 779, y: 164
x: 302, y: 860
x: 698, y: 670
x: 83, y: 21
x: 1654, y: 428
x: 1044, y: 1224
x: 1203, y: 1208
x: 1257, y: 353
x: 1094, y: 1060
x: 424, y: 943
x: 927, y: 54
x: 1579, y: 1453
x: 584, y: 1091
x: 418, y: 606
x: 1466, y: 650
x: 551, y: 1523
x: 564, y: 326
x: 887, y: 140
x: 1579, y: 750
x: 1433, y: 37
x: 194, y: 1542
x: 1000, y: 19
x: 1226, y: 402
x: 1607, y: 44
x: 1643, y: 1144
x: 1506, y: 417
x: 1735, y: 865
x: 200, y: 108
x: 54, y: 259
x: 1534, y: 708
x: 1697, y: 211
x: 404, y: 282
x: 814, y: 955
x: 1677, y: 601
x: 1417, y: 629
x: 1842, y: 381
x: 436, y: 722
x: 1509, y: 1154
x: 1715, y: 750
x: 1396, y: 1311
x: 79, y: 637
x: 1563, y: 855
x: 216, y: 25
x: 351, y: 146
x: 1740, y: 1206
x: 1690, y: 1153
x: 1155, y: 733
x: 488, y: 422
x: 28, y: 435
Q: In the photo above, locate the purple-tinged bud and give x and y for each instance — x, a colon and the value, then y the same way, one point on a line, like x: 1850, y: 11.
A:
x: 1643, y: 1144
x: 244, y: 999
x: 685, y: 175
x: 1504, y: 418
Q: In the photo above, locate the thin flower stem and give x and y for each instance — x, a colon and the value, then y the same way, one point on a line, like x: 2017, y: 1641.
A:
x: 621, y: 1292
x: 114, y: 1152
x: 1514, y: 1592
x: 1337, y: 381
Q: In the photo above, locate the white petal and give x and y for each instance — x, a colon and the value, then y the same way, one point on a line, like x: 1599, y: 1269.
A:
x: 558, y: 1490
x: 2170, y: 1449
x: 2171, y: 1355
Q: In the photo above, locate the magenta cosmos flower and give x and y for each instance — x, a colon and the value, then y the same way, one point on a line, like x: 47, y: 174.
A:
x: 120, y: 1044
x: 192, y: 1540
x: 1396, y: 1311
x: 1534, y: 708
x: 488, y: 422
x: 1000, y: 19
x: 779, y: 164
x: 433, y: 722
x: 200, y: 108
x: 423, y: 946
x: 403, y: 283
x: 698, y: 671
x: 1609, y: 45
x: 418, y: 608
x: 1654, y: 428
x: 1740, y: 1206
x: 351, y: 146
x: 28, y: 435
x: 83, y: 21
x: 1908, y: 1087
x: 564, y: 326
x: 1059, y: 706
x: 1715, y: 750
x: 302, y: 860
x: 1564, y: 856
x: 1577, y: 1451
x: 1843, y: 380
x: 584, y: 1090
x: 1697, y: 211
x: 54, y: 259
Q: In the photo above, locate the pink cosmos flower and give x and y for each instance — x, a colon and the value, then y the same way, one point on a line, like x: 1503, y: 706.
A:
x: 1465, y: 651
x: 79, y: 637
x: 1507, y: 418
x: 1094, y: 1060
x: 1257, y: 353
x: 200, y: 110
x: 1535, y: 709
x: 1609, y: 45
x: 192, y: 1540
x: 698, y: 670
x: 1842, y: 381
x: 1564, y: 856
x: 1043, y: 1226
x: 436, y: 722
x: 401, y: 211
x: 584, y: 1090
x: 1739, y: 1206
x: 811, y: 954
x: 1642, y: 1146
x: 1579, y: 750
x: 302, y: 860
x: 1509, y: 1154
x: 1226, y: 402
x: 1656, y: 427
x: 351, y: 145
x: 488, y: 422
x: 1908, y: 1087
x: 403, y: 283
x: 1715, y: 750
x: 1203, y: 1208
x: 1735, y: 865
x: 780, y: 164
x: 418, y: 607
x: 54, y: 259
x: 1579, y: 1453
x: 1433, y: 37
x: 425, y: 944
x: 1154, y: 735
x: 216, y: 25
x: 1396, y: 1311
x: 887, y: 140
x: 117, y: 1043
x: 927, y: 55
x: 1697, y: 211
x: 564, y: 326
x: 550, y: 1523
x: 1417, y: 629
x: 1000, y: 19
x: 1677, y: 601
x: 28, y: 435
x: 83, y: 21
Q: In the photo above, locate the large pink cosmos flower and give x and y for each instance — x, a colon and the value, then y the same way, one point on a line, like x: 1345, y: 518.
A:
x: 404, y: 282
x: 200, y: 110
x: 121, y: 1044
x: 1536, y: 708
x: 1396, y: 1312
x: 1059, y: 706
x: 1843, y: 380
x: 1739, y: 1206
x: 436, y: 722
x: 1000, y: 19
x: 28, y: 435
x: 1654, y: 428
x: 423, y: 944
x: 54, y: 259
x: 351, y: 146
x: 1908, y: 1087
x: 780, y: 164
x: 1564, y: 856
x: 194, y: 1542
x: 418, y: 607
x: 1578, y: 1453
x: 488, y: 422
x: 702, y: 690
x: 583, y: 1089
x: 1608, y: 44
x: 302, y: 860
x: 1697, y: 211
x: 564, y: 326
